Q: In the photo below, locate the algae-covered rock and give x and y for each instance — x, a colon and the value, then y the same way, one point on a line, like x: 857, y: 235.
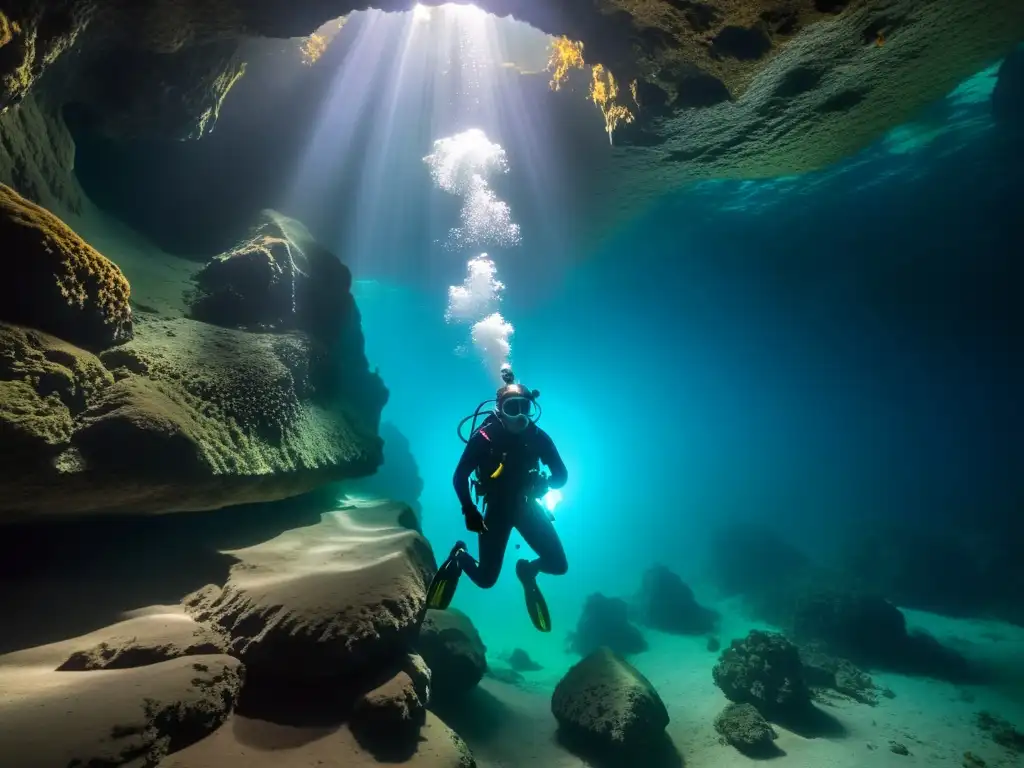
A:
x: 199, y: 417
x: 603, y: 702
x: 822, y: 670
x: 742, y: 726
x: 56, y: 282
x: 279, y: 278
x: 764, y: 670
x: 45, y: 384
x: 184, y: 415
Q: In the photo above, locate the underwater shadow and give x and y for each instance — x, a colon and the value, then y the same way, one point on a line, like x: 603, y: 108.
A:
x: 659, y: 753
x: 302, y: 711
x: 811, y: 722
x: 476, y: 716
x: 65, y: 578
x: 764, y: 751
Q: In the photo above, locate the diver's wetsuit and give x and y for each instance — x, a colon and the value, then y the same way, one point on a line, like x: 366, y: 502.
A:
x: 506, y: 502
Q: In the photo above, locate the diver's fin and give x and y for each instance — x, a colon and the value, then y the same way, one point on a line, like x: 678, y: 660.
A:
x: 536, y: 605
x: 442, y: 586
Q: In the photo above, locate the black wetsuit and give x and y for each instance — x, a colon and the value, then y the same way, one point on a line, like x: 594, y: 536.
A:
x: 506, y: 504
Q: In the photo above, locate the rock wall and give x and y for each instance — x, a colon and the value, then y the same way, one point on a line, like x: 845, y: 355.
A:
x: 724, y: 89
x: 37, y: 156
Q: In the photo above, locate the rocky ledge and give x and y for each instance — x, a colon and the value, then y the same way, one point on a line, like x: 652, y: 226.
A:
x: 299, y: 652
x: 107, y: 406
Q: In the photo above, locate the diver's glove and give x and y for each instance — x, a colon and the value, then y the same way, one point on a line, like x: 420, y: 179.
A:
x: 474, y: 520
x: 539, y: 484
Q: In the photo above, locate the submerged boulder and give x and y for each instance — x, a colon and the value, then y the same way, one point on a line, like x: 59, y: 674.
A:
x: 55, y: 281
x: 869, y: 630
x: 822, y: 670
x: 764, y: 670
x: 603, y: 703
x: 742, y: 726
x: 325, y: 600
x: 396, y: 709
x: 452, y: 648
x: 605, y: 622
x: 667, y: 603
x: 277, y: 278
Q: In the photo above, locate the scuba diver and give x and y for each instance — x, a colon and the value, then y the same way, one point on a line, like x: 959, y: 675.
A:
x: 505, y: 453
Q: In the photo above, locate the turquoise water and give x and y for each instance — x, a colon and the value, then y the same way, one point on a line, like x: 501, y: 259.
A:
x: 822, y: 353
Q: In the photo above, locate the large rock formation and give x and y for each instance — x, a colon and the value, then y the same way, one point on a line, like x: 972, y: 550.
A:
x: 872, y: 631
x: 327, y: 600
x: 764, y: 670
x: 734, y: 89
x: 37, y: 156
x: 185, y: 415
x: 667, y: 603
x: 278, y: 278
x: 603, y: 704
x: 325, y: 616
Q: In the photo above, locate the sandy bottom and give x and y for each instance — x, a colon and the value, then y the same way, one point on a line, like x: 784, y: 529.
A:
x: 513, y: 726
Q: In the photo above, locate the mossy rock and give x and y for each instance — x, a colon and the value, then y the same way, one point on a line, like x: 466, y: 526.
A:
x: 55, y: 281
